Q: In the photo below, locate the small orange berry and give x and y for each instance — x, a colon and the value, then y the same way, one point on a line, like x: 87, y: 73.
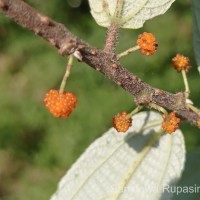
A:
x: 147, y: 43
x: 121, y: 123
x: 181, y: 62
x: 198, y: 123
x: 170, y: 124
x: 60, y: 105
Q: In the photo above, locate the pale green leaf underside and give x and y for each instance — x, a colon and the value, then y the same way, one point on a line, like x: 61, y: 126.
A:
x: 132, y: 14
x: 123, y: 166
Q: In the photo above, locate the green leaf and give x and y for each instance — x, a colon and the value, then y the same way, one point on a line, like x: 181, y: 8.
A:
x: 134, y: 165
x: 190, y: 181
x: 127, y: 13
x: 196, y: 29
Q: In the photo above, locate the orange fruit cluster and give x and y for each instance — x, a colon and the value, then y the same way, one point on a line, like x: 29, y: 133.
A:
x: 198, y: 123
x: 181, y: 62
x: 147, y: 43
x: 60, y: 105
x: 170, y: 123
x: 121, y: 123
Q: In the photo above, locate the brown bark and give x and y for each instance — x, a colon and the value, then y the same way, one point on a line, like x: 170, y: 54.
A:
x: 103, y: 61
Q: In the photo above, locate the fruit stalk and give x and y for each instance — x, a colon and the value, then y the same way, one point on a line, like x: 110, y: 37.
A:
x: 67, y: 73
x: 187, y: 89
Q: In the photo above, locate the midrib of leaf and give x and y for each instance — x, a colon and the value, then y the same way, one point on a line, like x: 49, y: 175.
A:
x: 112, y: 152
x: 166, y: 161
x: 133, y: 13
x: 136, y: 163
x: 118, y: 11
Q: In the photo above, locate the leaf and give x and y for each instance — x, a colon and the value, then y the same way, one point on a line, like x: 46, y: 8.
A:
x: 191, y: 178
x: 196, y: 30
x: 127, y: 13
x: 123, y: 166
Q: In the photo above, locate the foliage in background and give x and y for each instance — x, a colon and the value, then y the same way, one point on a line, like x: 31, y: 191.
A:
x: 32, y: 142
x: 196, y: 29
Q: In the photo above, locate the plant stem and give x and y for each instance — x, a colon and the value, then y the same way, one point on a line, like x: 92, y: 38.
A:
x: 136, y: 110
x: 113, y: 30
x: 57, y: 35
x: 111, y: 38
x: 67, y: 73
x: 159, y: 108
x: 196, y: 110
x: 187, y: 90
x: 128, y: 51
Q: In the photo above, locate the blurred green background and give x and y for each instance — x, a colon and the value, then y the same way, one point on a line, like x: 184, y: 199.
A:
x: 36, y: 149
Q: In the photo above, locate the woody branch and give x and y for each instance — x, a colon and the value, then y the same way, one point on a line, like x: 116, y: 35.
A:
x: 105, y: 62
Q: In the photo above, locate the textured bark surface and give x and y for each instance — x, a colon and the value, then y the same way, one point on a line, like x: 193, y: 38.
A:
x: 103, y: 61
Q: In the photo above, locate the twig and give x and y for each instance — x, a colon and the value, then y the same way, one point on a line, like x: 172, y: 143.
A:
x: 111, y: 38
x: 106, y: 63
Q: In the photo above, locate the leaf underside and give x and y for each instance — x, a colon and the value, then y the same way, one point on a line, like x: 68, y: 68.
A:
x: 127, y: 13
x: 126, y: 166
